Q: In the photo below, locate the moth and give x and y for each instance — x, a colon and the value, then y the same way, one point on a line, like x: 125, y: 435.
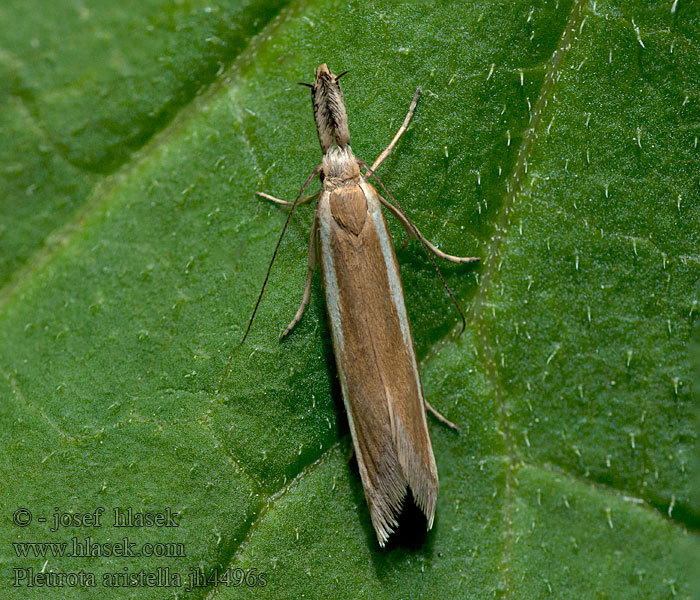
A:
x: 371, y: 335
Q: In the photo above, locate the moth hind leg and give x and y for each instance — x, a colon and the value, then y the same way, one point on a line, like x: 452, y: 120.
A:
x: 440, y: 417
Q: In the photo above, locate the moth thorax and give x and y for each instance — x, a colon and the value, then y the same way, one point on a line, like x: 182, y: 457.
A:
x: 339, y: 167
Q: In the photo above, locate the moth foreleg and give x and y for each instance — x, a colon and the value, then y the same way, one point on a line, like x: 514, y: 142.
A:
x: 399, y: 133
x: 304, y: 200
x: 309, y: 277
x: 413, y: 231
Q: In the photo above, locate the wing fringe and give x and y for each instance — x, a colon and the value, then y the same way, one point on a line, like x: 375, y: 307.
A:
x: 400, y: 468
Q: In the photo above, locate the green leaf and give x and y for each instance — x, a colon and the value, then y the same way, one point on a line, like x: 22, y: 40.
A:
x: 555, y: 140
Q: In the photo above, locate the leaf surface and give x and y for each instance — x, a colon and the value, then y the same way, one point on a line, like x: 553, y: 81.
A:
x: 555, y: 140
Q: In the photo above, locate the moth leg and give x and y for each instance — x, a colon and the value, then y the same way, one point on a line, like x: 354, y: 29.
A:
x: 412, y: 231
x: 350, y: 453
x: 399, y: 133
x: 439, y: 417
x: 309, y: 179
x: 304, y: 200
x: 309, y: 277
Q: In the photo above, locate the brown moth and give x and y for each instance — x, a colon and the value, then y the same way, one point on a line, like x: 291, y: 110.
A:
x: 371, y: 334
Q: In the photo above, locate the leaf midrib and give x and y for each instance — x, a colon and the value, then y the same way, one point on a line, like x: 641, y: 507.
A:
x: 515, y: 187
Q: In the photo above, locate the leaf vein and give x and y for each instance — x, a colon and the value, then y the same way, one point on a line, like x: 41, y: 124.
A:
x: 514, y: 188
x: 20, y: 399
x: 598, y: 486
x: 255, y: 524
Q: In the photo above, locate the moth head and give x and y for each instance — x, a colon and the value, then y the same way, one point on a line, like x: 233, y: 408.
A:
x: 329, y: 109
x: 325, y: 77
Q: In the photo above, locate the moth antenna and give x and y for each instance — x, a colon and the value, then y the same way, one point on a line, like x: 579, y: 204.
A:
x: 427, y: 250
x: 306, y: 84
x: 343, y: 73
x: 309, y: 179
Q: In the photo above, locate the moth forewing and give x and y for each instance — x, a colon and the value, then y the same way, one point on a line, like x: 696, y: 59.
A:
x: 369, y: 325
x: 374, y: 354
